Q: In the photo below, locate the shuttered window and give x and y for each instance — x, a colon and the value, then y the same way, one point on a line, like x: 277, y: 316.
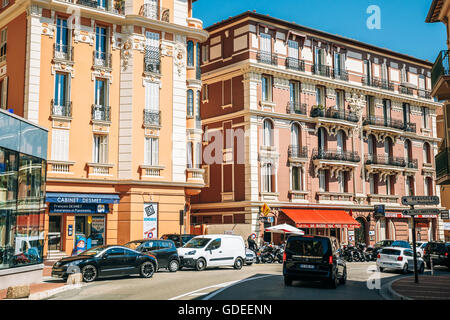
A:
x: 151, y: 157
x: 266, y: 43
x: 3, y: 37
x: 60, y: 145
x: 100, y: 149
x: 152, y: 96
x: 4, y: 93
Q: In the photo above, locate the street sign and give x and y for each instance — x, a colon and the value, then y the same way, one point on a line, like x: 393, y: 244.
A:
x: 444, y: 214
x: 379, y: 210
x: 265, y: 209
x: 420, y: 200
x: 415, y: 212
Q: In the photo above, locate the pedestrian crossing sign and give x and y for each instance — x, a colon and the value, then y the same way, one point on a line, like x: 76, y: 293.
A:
x: 265, y: 209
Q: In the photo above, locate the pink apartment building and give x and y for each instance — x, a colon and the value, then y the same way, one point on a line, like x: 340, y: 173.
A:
x: 324, y: 129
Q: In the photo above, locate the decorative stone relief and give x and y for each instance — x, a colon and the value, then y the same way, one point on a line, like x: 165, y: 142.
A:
x: 48, y: 29
x: 396, y: 106
x: 308, y: 88
x: 281, y: 83
x: 331, y: 93
x: 126, y: 52
x: 62, y: 67
x: 84, y: 35
x: 252, y: 76
x: 179, y: 56
x: 102, y: 74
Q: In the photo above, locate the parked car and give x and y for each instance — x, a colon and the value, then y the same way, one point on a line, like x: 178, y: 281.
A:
x: 176, y: 238
x: 419, y: 247
x: 401, y: 244
x: 398, y: 258
x: 438, y: 252
x: 250, y: 257
x: 165, y: 252
x: 213, y: 250
x: 313, y: 258
x: 380, y: 245
x: 106, y: 261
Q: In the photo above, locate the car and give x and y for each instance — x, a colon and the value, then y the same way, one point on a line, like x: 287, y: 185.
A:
x: 401, y: 244
x: 250, y: 257
x: 106, y: 261
x: 165, y: 252
x: 438, y: 253
x: 419, y: 247
x: 176, y: 238
x: 380, y: 245
x: 314, y: 258
x: 213, y: 250
x: 398, y: 258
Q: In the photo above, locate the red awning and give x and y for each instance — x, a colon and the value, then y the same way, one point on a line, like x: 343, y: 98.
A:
x: 312, y: 218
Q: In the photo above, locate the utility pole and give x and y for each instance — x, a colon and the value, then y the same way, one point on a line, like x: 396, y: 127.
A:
x: 416, y: 275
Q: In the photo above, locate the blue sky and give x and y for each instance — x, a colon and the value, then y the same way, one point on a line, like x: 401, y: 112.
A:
x: 403, y: 27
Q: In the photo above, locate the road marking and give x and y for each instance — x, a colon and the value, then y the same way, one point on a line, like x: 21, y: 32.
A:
x: 198, y: 293
x: 195, y: 291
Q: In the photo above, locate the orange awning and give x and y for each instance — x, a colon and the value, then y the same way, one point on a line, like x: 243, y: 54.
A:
x: 311, y: 218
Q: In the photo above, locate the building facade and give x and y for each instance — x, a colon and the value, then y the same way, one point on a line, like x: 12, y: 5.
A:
x: 440, y: 75
x: 117, y: 85
x: 319, y: 127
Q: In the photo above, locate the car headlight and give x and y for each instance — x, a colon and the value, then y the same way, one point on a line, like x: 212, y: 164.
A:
x: 190, y: 253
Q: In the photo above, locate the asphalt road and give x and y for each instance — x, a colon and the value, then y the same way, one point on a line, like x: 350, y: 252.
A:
x: 256, y: 282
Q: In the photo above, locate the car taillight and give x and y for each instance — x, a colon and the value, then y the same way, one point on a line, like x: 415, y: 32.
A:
x: 330, y: 260
x: 284, y: 256
x: 400, y: 258
x: 379, y: 256
x: 424, y: 252
x: 446, y: 254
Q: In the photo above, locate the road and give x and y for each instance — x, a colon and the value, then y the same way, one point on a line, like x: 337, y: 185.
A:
x: 256, y: 282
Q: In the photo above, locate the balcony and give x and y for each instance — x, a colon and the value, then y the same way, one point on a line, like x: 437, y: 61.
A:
x: 332, y: 113
x: 99, y: 169
x: 382, y: 199
x: 383, y: 122
x: 152, y: 60
x: 297, y: 196
x: 333, y: 196
x: 102, y: 60
x: 297, y: 154
x: 405, y: 90
x: 155, y: 12
x: 194, y: 23
x: 267, y: 57
x: 334, y: 119
x: 377, y: 83
x: 101, y: 113
x: 410, y: 127
x: 63, y: 53
x: 152, y: 118
x: 440, y: 77
x: 335, y: 155
x: 340, y: 74
x: 95, y: 4
x: 385, y: 160
x: 424, y: 94
x: 195, y: 173
x: 322, y: 70
x: 443, y: 167
x: 151, y: 171
x: 295, y: 64
x: 296, y: 108
x: 62, y: 109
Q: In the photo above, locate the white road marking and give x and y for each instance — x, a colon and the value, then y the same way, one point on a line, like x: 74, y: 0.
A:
x: 195, y: 291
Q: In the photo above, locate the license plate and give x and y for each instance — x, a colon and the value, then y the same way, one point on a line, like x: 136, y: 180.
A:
x: 306, y: 266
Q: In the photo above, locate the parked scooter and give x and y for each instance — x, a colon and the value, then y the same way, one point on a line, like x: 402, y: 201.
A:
x: 279, y: 251
x: 267, y: 254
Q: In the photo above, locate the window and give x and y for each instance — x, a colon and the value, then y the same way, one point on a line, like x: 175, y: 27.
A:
x: 372, y: 184
x: 205, y: 53
x: 267, y: 178
x: 266, y: 84
x: 151, y: 9
x: 425, y: 118
x: 100, y: 43
x: 268, y: 133
x: 404, y: 75
x: 4, y: 93
x: 190, y: 103
x: 60, y: 145
x: 205, y: 93
x: 151, y: 157
x: 5, y: 3
x: 319, y: 55
x: 428, y: 186
x: 388, y: 148
x: 421, y: 82
x: 384, y: 71
x: 215, y: 244
x: 100, y: 152
x: 198, y: 155
x: 323, y: 185
x: 322, y: 143
x: 426, y: 152
x: 3, y: 37
x: 370, y: 100
x: 406, y: 113
x: 390, y: 185
x: 152, y: 52
x: 372, y: 144
x: 410, y: 186
x: 295, y: 136
x: 387, y: 111
x: 340, y: 141
x: 340, y: 100
x: 297, y: 178
x: 294, y: 92
x: 62, y: 35
x: 190, y: 54
x: 342, y: 181
x: 408, y: 150
x: 266, y: 43
x: 189, y: 155
x: 339, y: 63
x: 152, y: 96
x: 116, y: 252
x: 320, y: 96
x: 197, y: 111
x: 368, y: 69
x: 60, y: 98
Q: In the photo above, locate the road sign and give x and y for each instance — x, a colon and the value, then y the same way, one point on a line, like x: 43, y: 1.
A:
x: 265, y: 209
x: 444, y: 214
x: 420, y: 200
x: 415, y: 212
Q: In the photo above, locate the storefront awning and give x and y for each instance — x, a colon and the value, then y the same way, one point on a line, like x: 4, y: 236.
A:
x: 54, y: 197
x: 311, y: 218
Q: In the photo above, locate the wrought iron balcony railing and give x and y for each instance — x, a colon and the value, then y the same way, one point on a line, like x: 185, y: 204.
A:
x: 440, y: 68
x: 412, y: 163
x: 424, y: 93
x: 377, y: 83
x: 152, y: 59
x: 338, y: 155
x: 295, y: 64
x: 63, y: 52
x: 152, y: 11
x: 410, y: 127
x: 101, y: 113
x: 61, y: 109
x: 340, y: 74
x: 267, y: 57
x: 390, y: 123
x: 385, y: 160
x: 334, y: 114
x: 405, y: 90
x: 296, y: 151
x: 321, y: 70
x: 152, y: 118
x: 102, y: 59
x: 296, y: 107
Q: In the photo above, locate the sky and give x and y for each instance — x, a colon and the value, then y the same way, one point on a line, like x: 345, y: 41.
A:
x: 402, y: 22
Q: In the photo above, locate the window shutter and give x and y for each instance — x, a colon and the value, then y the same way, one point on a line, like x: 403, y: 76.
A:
x: 266, y: 43
x: 155, y: 151
x: 60, y: 145
x: 4, y: 89
x: 293, y: 49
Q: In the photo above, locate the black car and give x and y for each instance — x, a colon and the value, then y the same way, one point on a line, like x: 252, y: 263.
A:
x: 313, y: 258
x: 176, y: 238
x: 165, y: 252
x: 106, y: 261
x: 438, y: 252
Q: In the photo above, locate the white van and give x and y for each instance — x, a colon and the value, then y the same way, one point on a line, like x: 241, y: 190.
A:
x: 213, y: 250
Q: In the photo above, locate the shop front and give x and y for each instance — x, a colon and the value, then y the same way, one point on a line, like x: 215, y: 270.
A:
x: 77, y: 221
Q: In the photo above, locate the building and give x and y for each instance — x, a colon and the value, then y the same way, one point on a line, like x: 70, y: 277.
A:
x: 440, y: 78
x: 319, y: 127
x: 23, y: 155
x: 116, y: 83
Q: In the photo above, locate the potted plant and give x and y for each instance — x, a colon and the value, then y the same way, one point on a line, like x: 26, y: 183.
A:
x: 317, y: 110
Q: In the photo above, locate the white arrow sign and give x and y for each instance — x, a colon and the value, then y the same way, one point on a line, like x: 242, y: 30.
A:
x: 414, y: 212
x: 420, y: 200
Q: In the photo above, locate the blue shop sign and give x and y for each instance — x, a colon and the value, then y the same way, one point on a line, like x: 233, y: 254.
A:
x: 54, y: 197
x: 78, y: 208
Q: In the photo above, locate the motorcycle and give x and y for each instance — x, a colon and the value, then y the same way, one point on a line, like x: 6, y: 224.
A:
x: 267, y: 254
x: 279, y: 251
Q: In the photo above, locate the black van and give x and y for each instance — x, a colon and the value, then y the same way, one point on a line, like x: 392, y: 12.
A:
x: 314, y: 258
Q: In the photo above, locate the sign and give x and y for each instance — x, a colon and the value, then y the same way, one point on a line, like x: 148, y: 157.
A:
x: 420, y: 200
x: 415, y: 212
x: 265, y: 209
x: 399, y: 215
x: 379, y: 210
x: 371, y: 233
x: 78, y: 208
x: 351, y: 232
x: 253, y: 236
x: 70, y: 230
x: 421, y: 225
x: 326, y: 225
x: 444, y: 214
x: 89, y: 219
x: 446, y: 225
x: 266, y: 219
x: 150, y: 223
x: 81, y: 198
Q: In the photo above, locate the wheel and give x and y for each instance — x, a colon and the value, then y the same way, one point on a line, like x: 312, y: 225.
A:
x: 269, y: 259
x: 422, y: 268
x: 343, y: 280
x: 333, y: 282
x: 200, y: 264
x: 89, y: 273
x: 287, y: 281
x: 174, y: 265
x: 238, y: 263
x: 147, y: 269
x: 405, y: 268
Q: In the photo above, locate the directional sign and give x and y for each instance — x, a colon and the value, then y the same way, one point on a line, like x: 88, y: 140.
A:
x: 420, y: 200
x: 265, y: 209
x: 444, y: 214
x: 415, y: 212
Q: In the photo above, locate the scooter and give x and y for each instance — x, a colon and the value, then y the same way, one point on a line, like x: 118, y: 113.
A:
x: 267, y: 254
x: 279, y: 254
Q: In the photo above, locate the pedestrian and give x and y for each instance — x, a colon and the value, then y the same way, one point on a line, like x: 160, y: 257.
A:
x: 251, y: 243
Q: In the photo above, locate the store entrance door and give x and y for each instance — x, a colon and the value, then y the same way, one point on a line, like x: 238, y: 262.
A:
x: 91, y: 228
x: 54, y: 233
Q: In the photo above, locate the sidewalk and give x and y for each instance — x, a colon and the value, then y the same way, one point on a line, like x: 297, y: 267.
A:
x: 428, y: 288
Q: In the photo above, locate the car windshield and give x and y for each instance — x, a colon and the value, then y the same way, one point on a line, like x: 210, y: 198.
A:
x: 403, y: 244
x: 133, y: 245
x: 308, y: 246
x: 383, y: 243
x: 391, y: 252
x: 93, y: 251
x: 197, y: 243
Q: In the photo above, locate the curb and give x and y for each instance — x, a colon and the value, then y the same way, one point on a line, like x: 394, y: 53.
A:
x: 387, y: 293
x: 47, y: 294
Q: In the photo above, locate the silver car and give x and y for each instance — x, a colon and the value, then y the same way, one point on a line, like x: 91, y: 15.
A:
x: 250, y: 257
x: 398, y: 258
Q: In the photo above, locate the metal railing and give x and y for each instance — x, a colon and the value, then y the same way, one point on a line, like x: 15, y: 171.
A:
x: 377, y: 83
x: 102, y: 59
x: 405, y: 90
x: 296, y: 151
x: 152, y: 59
x: 338, y: 155
x: 61, y: 109
x: 63, y: 52
x: 410, y: 127
x: 391, y: 123
x: 385, y: 160
x: 412, y: 163
x: 340, y: 74
x: 440, y: 68
x: 267, y: 57
x: 424, y: 93
x: 321, y: 70
x: 334, y: 114
x: 101, y: 113
x: 152, y: 11
x: 295, y: 64
x: 152, y: 117
x: 296, y: 107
